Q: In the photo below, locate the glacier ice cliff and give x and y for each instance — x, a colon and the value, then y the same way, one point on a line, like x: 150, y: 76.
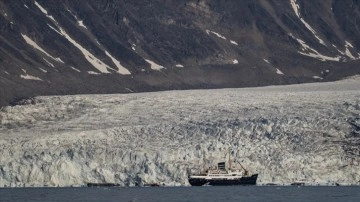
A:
x: 307, y: 132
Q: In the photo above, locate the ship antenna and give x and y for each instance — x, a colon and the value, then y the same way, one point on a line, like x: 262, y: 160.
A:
x: 203, y: 153
x: 229, y: 161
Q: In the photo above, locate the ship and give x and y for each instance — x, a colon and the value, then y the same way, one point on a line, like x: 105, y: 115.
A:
x: 222, y: 176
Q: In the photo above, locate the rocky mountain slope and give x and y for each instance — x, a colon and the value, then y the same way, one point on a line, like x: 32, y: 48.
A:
x: 119, y: 46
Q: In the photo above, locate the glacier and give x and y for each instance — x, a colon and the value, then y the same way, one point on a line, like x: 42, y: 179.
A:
x: 304, y: 132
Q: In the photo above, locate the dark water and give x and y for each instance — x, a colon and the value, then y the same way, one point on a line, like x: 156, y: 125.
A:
x: 229, y: 193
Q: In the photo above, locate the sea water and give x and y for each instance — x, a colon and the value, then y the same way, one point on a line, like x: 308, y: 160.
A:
x: 225, y: 193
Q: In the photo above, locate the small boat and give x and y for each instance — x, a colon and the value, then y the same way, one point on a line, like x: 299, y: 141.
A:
x: 221, y: 176
x: 151, y: 185
x: 271, y: 184
x: 91, y: 184
x: 298, y: 184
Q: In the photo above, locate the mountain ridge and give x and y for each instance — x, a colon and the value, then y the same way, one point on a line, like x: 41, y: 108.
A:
x: 77, y: 47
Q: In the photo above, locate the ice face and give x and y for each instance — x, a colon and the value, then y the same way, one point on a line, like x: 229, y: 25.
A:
x: 306, y: 132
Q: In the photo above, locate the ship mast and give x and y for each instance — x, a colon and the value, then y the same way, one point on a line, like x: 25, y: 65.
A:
x: 229, y: 161
x: 203, y: 153
x: 246, y: 172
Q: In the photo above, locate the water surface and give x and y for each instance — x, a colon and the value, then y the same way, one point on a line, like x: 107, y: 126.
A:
x: 226, y: 193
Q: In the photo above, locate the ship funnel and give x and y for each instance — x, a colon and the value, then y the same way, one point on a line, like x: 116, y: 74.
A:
x: 221, y: 166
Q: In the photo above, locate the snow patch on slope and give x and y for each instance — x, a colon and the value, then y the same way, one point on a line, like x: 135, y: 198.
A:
x: 94, y: 61
x: 348, y: 44
x: 43, y: 10
x: 310, y: 52
x: 29, y: 77
x: 49, y: 63
x: 75, y: 69
x: 234, y: 42
x: 34, y: 45
x: 216, y: 34
x: 296, y: 9
x: 154, y: 66
x: 348, y: 52
x: 97, y: 63
x: 51, y: 27
x: 317, y: 77
x: 93, y: 73
x: 278, y: 71
x: 43, y: 70
x: 81, y: 24
x: 121, y: 69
